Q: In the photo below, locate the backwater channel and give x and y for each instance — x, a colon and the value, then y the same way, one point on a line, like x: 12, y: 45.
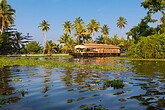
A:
x: 65, y: 88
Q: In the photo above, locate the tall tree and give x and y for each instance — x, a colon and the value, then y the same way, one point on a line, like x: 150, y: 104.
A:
x: 19, y: 41
x: 81, y: 33
x: 80, y: 29
x: 50, y: 47
x: 78, y: 23
x: 44, y: 27
x: 121, y: 24
x: 93, y: 27
x: 105, y: 30
x: 6, y: 15
x: 115, y: 40
x: 154, y: 6
x: 67, y: 27
x: 143, y: 29
x: 64, y: 38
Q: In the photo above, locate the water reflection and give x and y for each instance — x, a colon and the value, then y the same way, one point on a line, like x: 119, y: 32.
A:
x: 76, y: 88
x: 6, y: 89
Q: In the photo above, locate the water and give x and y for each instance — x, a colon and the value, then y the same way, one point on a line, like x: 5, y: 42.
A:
x: 64, y: 88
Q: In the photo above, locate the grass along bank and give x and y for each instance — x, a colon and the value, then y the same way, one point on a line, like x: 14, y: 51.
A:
x: 5, y: 61
x: 127, y: 58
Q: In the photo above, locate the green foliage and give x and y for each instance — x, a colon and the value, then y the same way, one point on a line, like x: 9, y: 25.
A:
x: 6, y: 44
x: 64, y: 38
x: 80, y: 31
x: 93, y: 27
x: 115, y: 40
x: 103, y: 40
x: 67, y: 27
x: 143, y: 29
x: 3, y: 100
x: 95, y: 107
x: 149, y: 47
x: 33, y: 47
x: 105, y: 30
x: 23, y: 92
x: 121, y: 24
x: 50, y: 47
x: 115, y: 83
x: 6, y: 15
x: 44, y: 26
x: 11, y: 62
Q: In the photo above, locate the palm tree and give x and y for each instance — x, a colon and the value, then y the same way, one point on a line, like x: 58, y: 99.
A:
x: 100, y: 39
x: 80, y: 29
x: 44, y: 27
x: 115, y: 40
x: 121, y: 24
x: 6, y: 15
x: 93, y: 27
x: 78, y: 23
x: 105, y: 30
x: 50, y: 46
x: 70, y: 44
x: 19, y: 41
x: 81, y: 33
x: 64, y: 38
x: 67, y: 27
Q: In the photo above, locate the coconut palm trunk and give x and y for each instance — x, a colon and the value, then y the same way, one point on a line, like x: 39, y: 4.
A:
x: 121, y: 32
x: 83, y: 39
x: 44, y: 36
x: 92, y: 37
x: 3, y: 24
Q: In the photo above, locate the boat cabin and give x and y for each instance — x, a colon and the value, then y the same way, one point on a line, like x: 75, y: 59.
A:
x: 94, y: 50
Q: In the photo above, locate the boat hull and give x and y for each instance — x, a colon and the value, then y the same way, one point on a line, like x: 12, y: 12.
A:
x: 95, y: 54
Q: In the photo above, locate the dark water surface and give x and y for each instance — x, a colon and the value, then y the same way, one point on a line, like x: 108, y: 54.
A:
x: 62, y: 88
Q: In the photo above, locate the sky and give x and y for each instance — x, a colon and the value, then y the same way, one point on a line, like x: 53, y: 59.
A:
x: 30, y: 13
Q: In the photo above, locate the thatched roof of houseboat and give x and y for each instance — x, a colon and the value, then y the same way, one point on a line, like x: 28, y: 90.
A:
x: 97, y: 46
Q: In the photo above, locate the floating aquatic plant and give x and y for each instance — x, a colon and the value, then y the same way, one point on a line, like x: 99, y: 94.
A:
x: 115, y: 83
x: 23, y: 92
x: 3, y: 100
x: 22, y: 62
x: 95, y: 107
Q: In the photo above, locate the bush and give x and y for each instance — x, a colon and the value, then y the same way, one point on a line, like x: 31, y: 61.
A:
x: 149, y: 47
x: 33, y: 47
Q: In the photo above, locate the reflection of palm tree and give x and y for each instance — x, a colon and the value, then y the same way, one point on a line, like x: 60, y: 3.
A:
x: 46, y: 81
x: 5, y: 87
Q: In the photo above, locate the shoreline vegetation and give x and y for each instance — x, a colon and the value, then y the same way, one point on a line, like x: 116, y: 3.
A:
x: 5, y: 61
x: 37, y: 55
x: 135, y: 59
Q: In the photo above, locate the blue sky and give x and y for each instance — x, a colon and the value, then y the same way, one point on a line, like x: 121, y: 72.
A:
x: 29, y: 14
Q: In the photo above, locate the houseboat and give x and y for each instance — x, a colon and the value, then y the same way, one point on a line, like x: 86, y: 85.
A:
x: 96, y: 50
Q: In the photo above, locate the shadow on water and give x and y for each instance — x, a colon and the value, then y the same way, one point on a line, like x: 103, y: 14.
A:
x: 141, y: 87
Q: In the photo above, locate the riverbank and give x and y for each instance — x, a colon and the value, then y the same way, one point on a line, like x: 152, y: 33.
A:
x: 136, y: 59
x: 34, y: 55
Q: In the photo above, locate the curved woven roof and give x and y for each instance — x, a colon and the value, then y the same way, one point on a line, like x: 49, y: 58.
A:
x: 98, y: 46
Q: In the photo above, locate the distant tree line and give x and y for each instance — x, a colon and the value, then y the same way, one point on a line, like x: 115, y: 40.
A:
x: 143, y: 41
